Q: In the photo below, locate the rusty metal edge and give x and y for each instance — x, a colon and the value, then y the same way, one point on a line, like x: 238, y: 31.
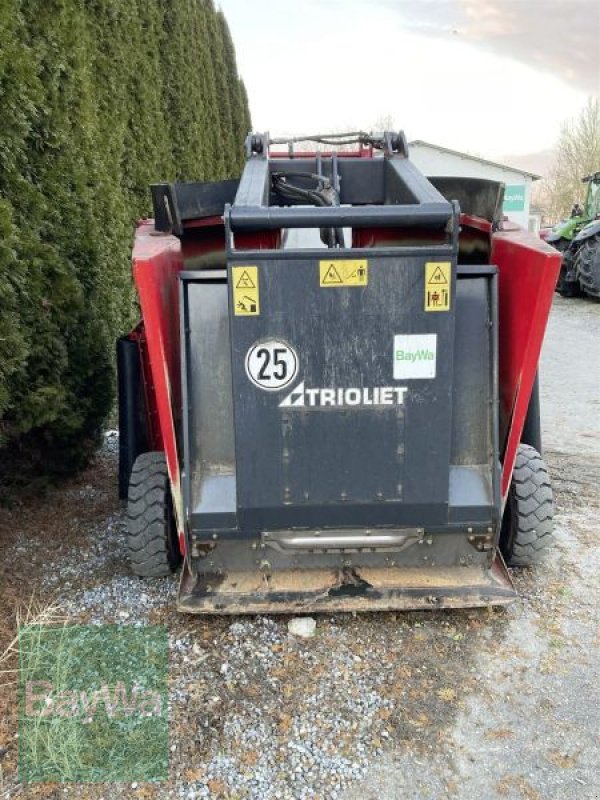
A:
x: 495, y: 589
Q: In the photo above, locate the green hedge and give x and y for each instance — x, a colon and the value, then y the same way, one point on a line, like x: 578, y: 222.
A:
x: 98, y: 99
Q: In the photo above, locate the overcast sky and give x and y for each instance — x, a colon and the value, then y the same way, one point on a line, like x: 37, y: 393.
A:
x: 491, y: 77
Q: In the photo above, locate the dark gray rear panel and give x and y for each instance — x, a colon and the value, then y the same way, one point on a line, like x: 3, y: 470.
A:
x: 349, y: 465
x: 252, y: 465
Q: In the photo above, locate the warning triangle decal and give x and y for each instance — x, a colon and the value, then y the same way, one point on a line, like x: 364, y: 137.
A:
x: 332, y: 276
x: 438, y: 277
x: 245, y: 281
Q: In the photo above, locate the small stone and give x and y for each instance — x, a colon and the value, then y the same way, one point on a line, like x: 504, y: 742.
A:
x: 304, y: 627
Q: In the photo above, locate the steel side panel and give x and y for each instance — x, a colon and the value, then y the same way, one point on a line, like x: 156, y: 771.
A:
x: 475, y: 474
x: 474, y: 367
x: 208, y: 431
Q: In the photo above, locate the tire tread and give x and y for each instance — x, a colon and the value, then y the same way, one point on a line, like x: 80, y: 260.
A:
x: 148, y: 518
x: 587, y: 266
x: 532, y: 506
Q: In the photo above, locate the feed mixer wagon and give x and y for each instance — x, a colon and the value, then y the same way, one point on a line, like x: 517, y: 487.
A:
x: 330, y: 401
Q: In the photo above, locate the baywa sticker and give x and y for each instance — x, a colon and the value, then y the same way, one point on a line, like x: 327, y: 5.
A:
x: 415, y: 356
x: 352, y: 397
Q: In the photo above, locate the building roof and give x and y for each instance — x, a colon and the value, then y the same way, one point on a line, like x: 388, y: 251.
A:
x: 531, y: 175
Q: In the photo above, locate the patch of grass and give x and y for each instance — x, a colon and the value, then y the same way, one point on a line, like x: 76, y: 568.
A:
x: 92, y: 703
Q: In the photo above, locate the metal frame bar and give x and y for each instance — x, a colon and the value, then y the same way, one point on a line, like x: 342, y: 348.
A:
x: 423, y: 204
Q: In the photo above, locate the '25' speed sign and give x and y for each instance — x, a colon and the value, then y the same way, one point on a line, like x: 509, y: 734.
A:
x: 271, y: 365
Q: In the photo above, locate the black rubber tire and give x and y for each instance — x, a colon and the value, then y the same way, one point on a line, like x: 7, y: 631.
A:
x: 587, y: 266
x: 568, y: 288
x: 561, y: 244
x: 527, y: 525
x: 151, y: 533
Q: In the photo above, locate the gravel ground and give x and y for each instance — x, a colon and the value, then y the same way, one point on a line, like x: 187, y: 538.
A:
x: 475, y: 704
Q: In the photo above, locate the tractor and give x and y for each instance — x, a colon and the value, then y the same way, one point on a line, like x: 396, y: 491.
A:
x: 578, y: 238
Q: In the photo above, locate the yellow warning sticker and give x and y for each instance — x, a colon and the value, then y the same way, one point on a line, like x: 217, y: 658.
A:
x: 437, y: 285
x: 246, y: 298
x: 353, y: 272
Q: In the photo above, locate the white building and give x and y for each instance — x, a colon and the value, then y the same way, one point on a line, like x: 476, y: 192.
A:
x: 441, y: 162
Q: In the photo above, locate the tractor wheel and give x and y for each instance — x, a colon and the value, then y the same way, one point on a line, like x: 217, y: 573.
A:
x: 587, y: 266
x: 562, y: 245
x: 527, y: 524
x: 151, y: 533
x: 567, y: 285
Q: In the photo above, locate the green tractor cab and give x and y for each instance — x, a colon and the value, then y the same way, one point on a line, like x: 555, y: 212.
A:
x: 578, y: 238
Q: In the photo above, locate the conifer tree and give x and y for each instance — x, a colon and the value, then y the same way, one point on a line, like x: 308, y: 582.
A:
x: 99, y: 99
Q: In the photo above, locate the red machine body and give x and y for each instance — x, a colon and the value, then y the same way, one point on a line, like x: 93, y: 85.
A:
x: 527, y: 273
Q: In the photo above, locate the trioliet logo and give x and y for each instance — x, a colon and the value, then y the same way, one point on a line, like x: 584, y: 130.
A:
x: 301, y: 397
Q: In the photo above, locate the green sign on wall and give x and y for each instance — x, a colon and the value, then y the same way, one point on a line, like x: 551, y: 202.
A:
x: 514, y: 198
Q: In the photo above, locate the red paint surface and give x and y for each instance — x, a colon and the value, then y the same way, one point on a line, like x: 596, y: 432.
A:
x: 157, y: 261
x: 264, y: 240
x: 527, y: 273
x: 155, y: 437
x: 202, y: 242
x: 480, y: 224
x: 203, y: 222
x: 397, y: 237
